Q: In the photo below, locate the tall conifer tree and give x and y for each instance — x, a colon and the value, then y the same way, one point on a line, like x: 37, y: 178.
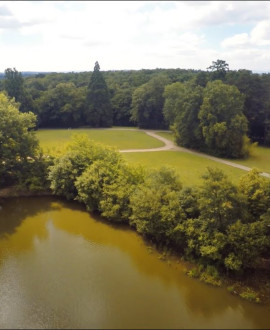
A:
x: 98, y: 106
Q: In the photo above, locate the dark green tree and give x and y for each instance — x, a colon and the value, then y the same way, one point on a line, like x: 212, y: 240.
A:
x: 173, y: 101
x: 61, y: 106
x: 223, y: 123
x: 98, y: 109
x: 14, y: 85
x: 121, y: 105
x: 219, y: 69
x: 186, y: 127
x: 256, y: 93
x: 147, y: 103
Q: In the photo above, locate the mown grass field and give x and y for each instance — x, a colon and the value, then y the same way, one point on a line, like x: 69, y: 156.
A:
x: 55, y: 140
x: 259, y: 158
x: 189, y: 167
x: 166, y: 135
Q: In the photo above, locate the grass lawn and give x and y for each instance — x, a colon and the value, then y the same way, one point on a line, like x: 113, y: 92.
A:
x: 260, y: 157
x: 189, y: 167
x: 166, y: 135
x: 56, y: 139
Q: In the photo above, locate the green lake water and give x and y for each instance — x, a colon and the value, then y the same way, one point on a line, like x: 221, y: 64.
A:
x: 60, y: 267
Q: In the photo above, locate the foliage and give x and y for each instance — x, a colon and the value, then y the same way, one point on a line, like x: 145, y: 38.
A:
x: 61, y: 106
x: 147, y: 103
x: 173, y: 95
x: 223, y: 124
x: 188, y: 132
x: 256, y: 190
x: 14, y: 86
x: 18, y: 144
x: 250, y: 295
x: 255, y: 89
x: 155, y: 205
x: 115, y: 202
x: 81, y: 152
x: 219, y: 201
x: 219, y: 69
x: 121, y: 105
x: 98, y: 111
x: 246, y: 243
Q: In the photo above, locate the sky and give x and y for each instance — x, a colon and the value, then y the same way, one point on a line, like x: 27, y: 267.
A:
x: 66, y: 36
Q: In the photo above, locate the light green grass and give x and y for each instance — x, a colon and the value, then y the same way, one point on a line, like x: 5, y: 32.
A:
x: 189, y: 167
x: 259, y: 159
x: 166, y: 135
x: 55, y: 139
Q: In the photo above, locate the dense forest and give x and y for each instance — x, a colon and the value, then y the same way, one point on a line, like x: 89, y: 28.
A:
x: 219, y: 111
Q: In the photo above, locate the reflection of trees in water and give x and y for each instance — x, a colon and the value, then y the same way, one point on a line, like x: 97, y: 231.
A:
x: 15, y: 209
x: 200, y: 299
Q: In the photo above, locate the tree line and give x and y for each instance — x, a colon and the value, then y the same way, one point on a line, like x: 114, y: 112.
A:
x: 157, y: 98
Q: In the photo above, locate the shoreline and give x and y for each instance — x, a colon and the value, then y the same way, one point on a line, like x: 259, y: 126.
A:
x: 257, y: 283
x: 14, y: 191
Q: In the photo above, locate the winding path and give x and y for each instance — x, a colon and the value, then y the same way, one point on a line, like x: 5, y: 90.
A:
x: 169, y: 145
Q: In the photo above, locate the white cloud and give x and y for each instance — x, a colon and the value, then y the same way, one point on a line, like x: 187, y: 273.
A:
x: 259, y: 36
x: 237, y: 41
x: 4, y: 11
x: 72, y: 35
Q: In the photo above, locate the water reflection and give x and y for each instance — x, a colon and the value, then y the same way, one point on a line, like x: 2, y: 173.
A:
x: 62, y: 268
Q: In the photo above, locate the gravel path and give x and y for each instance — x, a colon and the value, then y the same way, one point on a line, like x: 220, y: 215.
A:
x: 169, y: 145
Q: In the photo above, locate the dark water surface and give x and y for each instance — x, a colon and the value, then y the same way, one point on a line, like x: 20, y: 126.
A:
x: 62, y: 268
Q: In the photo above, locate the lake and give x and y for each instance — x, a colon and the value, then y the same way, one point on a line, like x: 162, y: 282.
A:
x: 61, y: 267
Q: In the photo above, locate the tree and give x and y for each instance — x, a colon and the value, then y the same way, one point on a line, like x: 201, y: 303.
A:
x: 81, y: 153
x: 147, y: 103
x: 246, y: 242
x: 220, y: 205
x: 219, y: 69
x: 256, y: 190
x: 186, y: 127
x: 254, y: 87
x: 223, y: 124
x: 98, y: 112
x: 266, y: 106
x: 155, y: 205
x: 61, y: 106
x: 219, y: 200
x: 14, y: 85
x: 121, y: 105
x: 174, y: 96
x: 115, y: 202
x: 18, y: 144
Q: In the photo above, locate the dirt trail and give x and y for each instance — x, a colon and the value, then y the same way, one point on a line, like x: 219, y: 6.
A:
x: 169, y: 145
